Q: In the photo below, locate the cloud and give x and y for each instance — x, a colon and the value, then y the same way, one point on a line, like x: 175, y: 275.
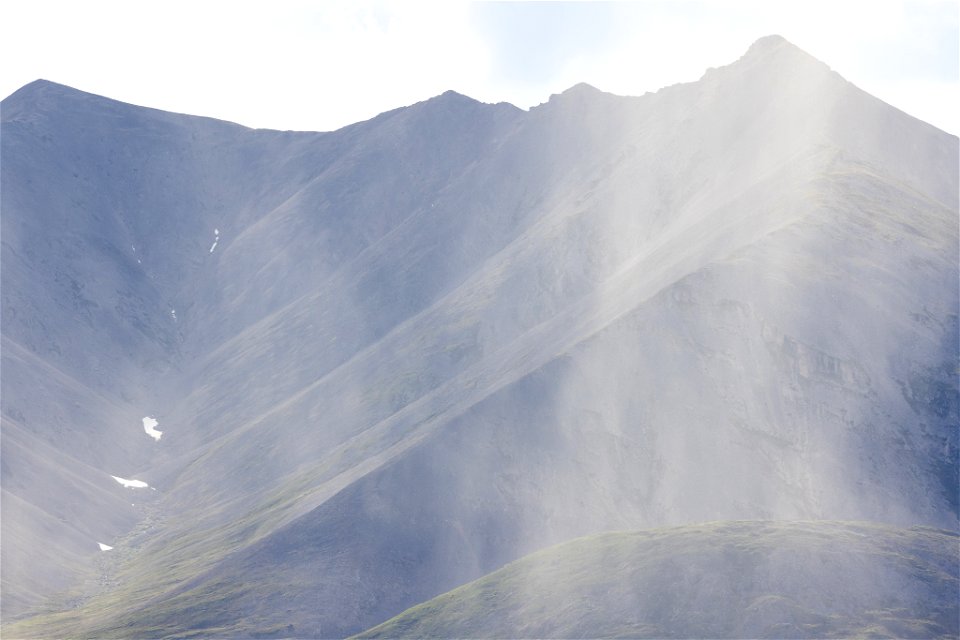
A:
x: 532, y: 40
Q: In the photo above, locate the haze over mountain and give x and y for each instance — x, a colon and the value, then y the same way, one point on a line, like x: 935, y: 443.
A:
x: 390, y: 359
x: 734, y: 579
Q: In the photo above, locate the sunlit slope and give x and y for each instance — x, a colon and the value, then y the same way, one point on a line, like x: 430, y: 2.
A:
x: 718, y: 580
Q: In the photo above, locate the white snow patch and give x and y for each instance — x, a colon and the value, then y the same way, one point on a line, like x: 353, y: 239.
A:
x: 216, y: 232
x: 131, y: 484
x: 214, y: 246
x: 138, y: 261
x: 173, y: 313
x: 148, y: 426
x: 104, y: 547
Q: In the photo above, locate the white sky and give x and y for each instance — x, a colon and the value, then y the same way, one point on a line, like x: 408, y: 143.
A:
x: 298, y: 64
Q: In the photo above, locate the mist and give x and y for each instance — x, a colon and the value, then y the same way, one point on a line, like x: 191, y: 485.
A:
x: 410, y: 352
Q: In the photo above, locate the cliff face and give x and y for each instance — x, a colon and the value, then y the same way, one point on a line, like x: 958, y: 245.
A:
x: 389, y: 359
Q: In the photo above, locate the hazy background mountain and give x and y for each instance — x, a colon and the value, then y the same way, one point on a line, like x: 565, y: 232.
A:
x: 389, y: 359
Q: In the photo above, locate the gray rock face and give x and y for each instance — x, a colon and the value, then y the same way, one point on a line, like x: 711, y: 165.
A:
x: 389, y: 359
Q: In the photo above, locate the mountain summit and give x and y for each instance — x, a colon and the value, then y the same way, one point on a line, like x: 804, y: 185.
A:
x: 767, y: 44
x: 388, y: 360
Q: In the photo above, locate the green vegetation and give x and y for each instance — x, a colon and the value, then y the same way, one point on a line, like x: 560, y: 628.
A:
x: 164, y: 575
x: 725, y: 579
x: 153, y: 574
x: 730, y: 579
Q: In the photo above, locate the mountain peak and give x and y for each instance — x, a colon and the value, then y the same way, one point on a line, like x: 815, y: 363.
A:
x: 576, y: 94
x: 776, y: 47
x: 26, y: 99
x: 453, y: 97
x: 767, y: 43
x: 41, y: 83
x: 41, y: 87
x: 581, y: 88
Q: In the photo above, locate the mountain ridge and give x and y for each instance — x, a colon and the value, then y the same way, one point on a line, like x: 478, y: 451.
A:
x: 759, y: 52
x: 388, y: 359
x: 639, y: 570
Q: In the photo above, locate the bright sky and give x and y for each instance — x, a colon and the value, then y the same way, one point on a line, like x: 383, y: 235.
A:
x: 298, y: 64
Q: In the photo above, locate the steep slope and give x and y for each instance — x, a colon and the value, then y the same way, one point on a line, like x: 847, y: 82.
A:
x: 719, y: 580
x: 107, y: 268
x: 105, y: 214
x: 428, y: 344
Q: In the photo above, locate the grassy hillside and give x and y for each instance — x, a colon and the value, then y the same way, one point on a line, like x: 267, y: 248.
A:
x: 727, y: 579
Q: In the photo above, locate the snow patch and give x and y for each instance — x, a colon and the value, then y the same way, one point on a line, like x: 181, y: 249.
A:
x: 148, y: 426
x: 173, y: 314
x: 131, y: 484
x: 216, y: 239
x: 104, y: 547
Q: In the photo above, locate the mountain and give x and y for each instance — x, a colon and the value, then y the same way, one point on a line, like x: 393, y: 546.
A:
x: 390, y: 359
x: 718, y: 580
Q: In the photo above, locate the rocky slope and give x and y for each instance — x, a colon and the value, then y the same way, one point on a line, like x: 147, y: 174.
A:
x: 389, y: 359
